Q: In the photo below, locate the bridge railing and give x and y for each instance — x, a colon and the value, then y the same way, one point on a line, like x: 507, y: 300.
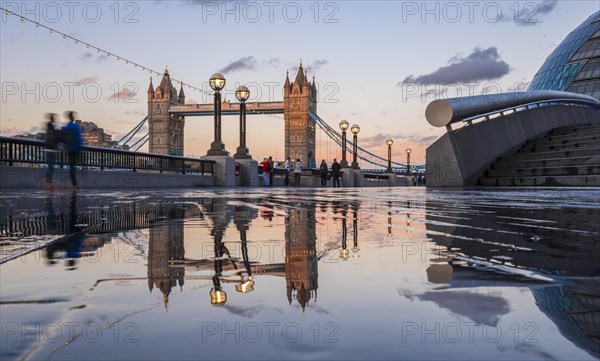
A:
x: 19, y: 152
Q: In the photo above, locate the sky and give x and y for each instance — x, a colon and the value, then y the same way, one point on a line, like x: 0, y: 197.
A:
x: 376, y: 63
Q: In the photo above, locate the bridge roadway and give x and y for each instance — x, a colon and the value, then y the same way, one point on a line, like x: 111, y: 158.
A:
x: 227, y: 108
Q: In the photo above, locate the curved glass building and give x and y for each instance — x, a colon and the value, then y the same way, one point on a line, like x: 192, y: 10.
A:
x: 574, y: 66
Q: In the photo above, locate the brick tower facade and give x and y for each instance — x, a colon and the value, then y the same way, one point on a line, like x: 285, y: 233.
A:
x: 300, y: 98
x: 165, y: 134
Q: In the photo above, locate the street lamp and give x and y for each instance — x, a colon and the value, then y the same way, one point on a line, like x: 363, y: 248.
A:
x: 408, y: 151
x: 344, y: 125
x: 389, y: 144
x: 217, y: 82
x: 242, y: 94
x: 355, y: 129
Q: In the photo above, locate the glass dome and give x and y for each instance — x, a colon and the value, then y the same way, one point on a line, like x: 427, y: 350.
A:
x: 574, y: 65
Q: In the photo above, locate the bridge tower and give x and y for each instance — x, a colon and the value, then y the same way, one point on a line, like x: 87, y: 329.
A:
x: 165, y: 134
x: 301, y: 260
x: 300, y: 98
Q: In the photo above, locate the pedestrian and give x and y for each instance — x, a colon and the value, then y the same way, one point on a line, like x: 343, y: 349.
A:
x: 297, y: 171
x: 265, y: 171
x: 312, y: 164
x: 74, y: 142
x: 335, y: 172
x: 323, y: 172
x: 52, y: 142
x: 414, y: 180
x: 420, y: 179
x: 271, y: 168
x: 288, y: 166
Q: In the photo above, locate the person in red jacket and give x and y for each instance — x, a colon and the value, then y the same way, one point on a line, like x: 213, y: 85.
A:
x: 266, y: 168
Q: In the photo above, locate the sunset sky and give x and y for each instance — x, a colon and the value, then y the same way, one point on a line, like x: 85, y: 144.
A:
x: 377, y: 63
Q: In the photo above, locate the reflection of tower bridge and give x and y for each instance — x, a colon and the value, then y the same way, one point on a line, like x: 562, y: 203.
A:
x: 167, y: 112
x: 167, y: 263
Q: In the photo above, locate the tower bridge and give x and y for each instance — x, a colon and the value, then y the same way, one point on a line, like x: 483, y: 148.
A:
x: 167, y: 112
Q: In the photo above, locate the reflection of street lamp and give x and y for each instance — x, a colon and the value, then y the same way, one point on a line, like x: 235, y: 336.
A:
x: 355, y: 229
x: 217, y: 82
x: 344, y: 126
x: 408, y: 151
x: 389, y: 219
x: 355, y: 129
x: 242, y: 94
x: 218, y: 297
x: 247, y: 284
x: 344, y: 253
x: 389, y: 143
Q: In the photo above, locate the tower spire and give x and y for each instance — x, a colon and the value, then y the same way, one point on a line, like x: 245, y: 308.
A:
x: 151, y: 87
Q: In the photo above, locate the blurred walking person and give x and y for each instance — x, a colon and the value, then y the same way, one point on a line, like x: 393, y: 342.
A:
x: 323, y: 172
x: 73, y: 141
x: 52, y: 142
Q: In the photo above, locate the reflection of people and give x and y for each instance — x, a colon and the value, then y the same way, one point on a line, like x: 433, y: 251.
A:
x: 323, y: 172
x: 52, y: 141
x: 72, y: 244
x: 73, y: 141
x: 335, y: 172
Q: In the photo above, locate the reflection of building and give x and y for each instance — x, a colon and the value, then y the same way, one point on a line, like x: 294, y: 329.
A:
x: 572, y: 302
x: 575, y: 311
x: 166, y: 247
x: 574, y: 65
x: 301, y: 271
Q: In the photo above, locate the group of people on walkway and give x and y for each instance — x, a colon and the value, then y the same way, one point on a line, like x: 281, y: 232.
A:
x: 295, y: 168
x: 70, y: 138
x: 336, y: 172
x: 418, y: 179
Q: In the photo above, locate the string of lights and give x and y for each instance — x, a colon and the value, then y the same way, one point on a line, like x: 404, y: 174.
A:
x: 110, y: 54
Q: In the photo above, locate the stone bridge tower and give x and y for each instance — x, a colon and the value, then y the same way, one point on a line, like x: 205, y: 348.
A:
x: 300, y: 98
x: 165, y: 134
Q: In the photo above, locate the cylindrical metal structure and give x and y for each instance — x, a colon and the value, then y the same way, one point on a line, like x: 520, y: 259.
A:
x: 443, y: 112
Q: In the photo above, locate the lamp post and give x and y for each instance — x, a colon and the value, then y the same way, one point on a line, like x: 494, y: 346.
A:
x: 389, y: 143
x: 408, y: 151
x: 242, y: 94
x: 217, y: 82
x: 344, y: 125
x: 355, y: 130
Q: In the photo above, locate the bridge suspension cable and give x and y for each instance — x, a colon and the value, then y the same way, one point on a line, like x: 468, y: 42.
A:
x: 143, y: 141
x: 363, y: 154
x: 109, y: 54
x: 130, y: 134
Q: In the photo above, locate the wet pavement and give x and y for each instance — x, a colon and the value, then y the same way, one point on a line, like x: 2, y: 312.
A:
x: 378, y: 273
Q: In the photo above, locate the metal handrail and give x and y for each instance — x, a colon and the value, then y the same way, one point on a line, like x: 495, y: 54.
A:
x: 20, y: 151
x: 523, y: 107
